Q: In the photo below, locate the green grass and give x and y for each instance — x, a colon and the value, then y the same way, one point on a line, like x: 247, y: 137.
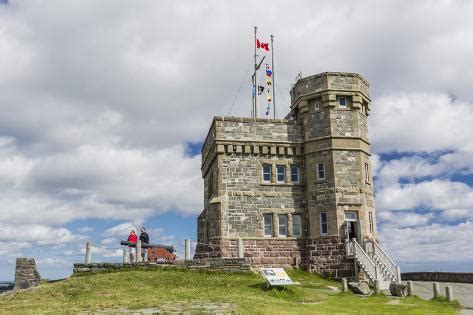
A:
x: 135, y: 289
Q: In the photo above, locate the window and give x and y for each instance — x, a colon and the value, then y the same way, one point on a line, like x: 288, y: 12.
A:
x: 370, y: 218
x: 294, y: 174
x: 281, y: 173
x: 282, y: 224
x: 350, y: 216
x: 323, y: 223
x: 342, y: 102
x: 268, y: 224
x: 296, y: 225
x: 317, y: 105
x: 320, y: 171
x: 367, y: 174
x: 266, y: 173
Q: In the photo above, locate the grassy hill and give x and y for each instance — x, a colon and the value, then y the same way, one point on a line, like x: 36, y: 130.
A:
x: 168, y: 289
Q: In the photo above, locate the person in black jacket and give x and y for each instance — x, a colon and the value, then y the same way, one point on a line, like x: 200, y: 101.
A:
x: 144, y: 238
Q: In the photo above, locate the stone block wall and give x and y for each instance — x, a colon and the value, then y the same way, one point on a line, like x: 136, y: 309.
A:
x: 224, y: 265
x: 461, y: 277
x: 261, y: 252
x: 26, y: 273
x: 327, y: 257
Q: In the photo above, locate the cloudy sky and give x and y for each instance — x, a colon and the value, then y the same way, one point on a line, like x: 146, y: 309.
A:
x: 104, y: 105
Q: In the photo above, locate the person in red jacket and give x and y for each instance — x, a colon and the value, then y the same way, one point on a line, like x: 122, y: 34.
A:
x: 132, y: 238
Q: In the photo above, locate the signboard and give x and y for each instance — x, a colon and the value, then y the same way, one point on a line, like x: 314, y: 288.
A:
x: 276, y: 276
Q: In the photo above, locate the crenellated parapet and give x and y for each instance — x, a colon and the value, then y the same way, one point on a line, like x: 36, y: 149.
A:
x: 250, y: 136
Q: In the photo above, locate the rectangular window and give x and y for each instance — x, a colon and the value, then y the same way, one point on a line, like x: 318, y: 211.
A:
x: 268, y: 224
x: 317, y: 105
x: 370, y: 218
x: 320, y: 171
x: 267, y: 173
x: 323, y: 223
x: 294, y: 174
x: 351, y: 216
x: 282, y: 224
x: 367, y: 174
x: 281, y: 173
x: 296, y: 225
x: 342, y: 102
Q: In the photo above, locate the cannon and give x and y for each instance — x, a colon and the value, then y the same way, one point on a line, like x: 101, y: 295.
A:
x: 154, y: 251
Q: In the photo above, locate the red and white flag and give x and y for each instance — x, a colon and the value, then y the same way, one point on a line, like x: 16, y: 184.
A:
x: 261, y: 45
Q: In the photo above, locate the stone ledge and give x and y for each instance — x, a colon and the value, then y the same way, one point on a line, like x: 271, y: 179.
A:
x: 211, y: 264
x: 462, y: 277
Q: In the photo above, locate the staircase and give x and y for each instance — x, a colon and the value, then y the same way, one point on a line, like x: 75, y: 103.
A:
x: 374, y: 261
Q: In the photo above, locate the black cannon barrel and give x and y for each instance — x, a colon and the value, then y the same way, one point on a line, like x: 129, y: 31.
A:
x: 143, y: 245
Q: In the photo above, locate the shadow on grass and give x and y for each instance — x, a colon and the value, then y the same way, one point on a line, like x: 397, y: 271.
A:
x: 282, y: 292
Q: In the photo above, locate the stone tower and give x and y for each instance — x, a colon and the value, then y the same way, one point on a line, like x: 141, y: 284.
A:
x: 297, y: 191
x: 333, y: 109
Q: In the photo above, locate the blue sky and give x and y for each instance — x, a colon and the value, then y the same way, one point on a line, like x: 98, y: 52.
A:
x: 104, y: 106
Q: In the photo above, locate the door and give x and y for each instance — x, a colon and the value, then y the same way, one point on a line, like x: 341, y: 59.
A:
x: 353, y: 226
x: 358, y: 236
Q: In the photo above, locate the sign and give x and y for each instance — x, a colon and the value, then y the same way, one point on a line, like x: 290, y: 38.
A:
x: 276, y: 276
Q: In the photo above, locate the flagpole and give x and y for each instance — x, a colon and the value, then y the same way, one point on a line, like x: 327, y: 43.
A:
x: 256, y: 80
x: 274, y: 78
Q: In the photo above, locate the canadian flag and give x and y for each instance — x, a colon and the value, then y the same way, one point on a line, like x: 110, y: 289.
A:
x: 261, y: 45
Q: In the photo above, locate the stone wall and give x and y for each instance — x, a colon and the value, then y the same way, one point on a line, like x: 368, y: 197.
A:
x: 265, y: 130
x: 224, y: 265
x: 326, y: 256
x: 261, y: 252
x: 462, y: 277
x: 26, y: 273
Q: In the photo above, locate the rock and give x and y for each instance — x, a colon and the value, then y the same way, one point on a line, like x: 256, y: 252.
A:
x: 398, y: 289
x: 359, y: 288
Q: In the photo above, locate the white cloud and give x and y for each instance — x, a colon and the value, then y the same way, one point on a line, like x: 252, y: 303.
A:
x: 101, y: 182
x: 404, y: 219
x: 12, y: 248
x: 110, y: 240
x: 122, y: 230
x: 85, y: 229
x: 435, y: 242
x: 434, y: 195
x: 457, y: 214
x: 39, y: 234
x: 105, y: 252
x: 421, y: 122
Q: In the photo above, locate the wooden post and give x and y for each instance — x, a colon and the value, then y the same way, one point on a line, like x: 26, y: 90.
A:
x: 126, y: 257
x: 449, y: 293
x: 187, y: 246
x: 88, y: 253
x: 436, y: 288
x: 377, y: 286
x: 410, y: 287
x: 138, y: 252
x: 344, y: 285
x: 398, y: 275
x: 241, y: 249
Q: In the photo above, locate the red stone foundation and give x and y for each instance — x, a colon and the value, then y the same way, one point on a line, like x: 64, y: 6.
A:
x: 324, y: 256
x: 327, y: 257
